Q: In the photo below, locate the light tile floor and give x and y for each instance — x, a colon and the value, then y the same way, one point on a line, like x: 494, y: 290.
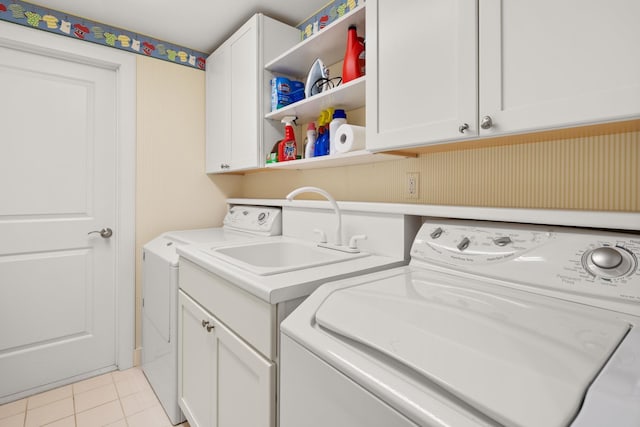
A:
x: 116, y: 399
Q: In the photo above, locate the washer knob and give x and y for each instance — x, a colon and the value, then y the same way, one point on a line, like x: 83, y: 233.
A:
x: 436, y: 233
x: 464, y: 244
x: 606, y: 257
x: 609, y: 262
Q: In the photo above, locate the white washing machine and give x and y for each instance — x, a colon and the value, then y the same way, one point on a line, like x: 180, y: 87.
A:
x: 160, y: 293
x: 491, y: 324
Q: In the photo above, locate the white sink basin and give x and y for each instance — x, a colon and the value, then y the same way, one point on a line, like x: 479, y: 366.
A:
x: 266, y: 258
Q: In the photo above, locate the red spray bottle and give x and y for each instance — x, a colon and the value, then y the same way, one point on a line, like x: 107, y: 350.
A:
x: 354, y: 57
x: 288, y: 149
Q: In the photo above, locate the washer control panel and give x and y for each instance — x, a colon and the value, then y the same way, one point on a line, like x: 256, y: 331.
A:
x: 255, y: 219
x: 585, y: 261
x: 466, y: 244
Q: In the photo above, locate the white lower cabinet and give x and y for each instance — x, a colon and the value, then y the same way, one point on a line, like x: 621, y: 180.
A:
x: 223, y: 382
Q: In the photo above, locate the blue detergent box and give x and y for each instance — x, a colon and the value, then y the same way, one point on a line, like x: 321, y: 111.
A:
x: 285, y: 91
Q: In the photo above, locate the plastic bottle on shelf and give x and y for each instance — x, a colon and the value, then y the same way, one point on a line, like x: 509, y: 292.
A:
x: 311, y: 140
x: 339, y: 118
x: 354, y: 57
x: 322, y: 143
x: 288, y: 149
x: 317, y: 149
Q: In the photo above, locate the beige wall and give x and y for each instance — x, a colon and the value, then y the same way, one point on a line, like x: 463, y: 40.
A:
x: 172, y: 190
x: 594, y: 173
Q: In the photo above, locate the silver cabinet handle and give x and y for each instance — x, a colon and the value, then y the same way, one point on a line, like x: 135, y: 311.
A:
x: 105, y: 233
x: 224, y: 166
x: 486, y: 122
x: 463, y: 127
x: 208, y: 325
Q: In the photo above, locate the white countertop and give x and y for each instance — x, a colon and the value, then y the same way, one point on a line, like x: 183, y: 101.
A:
x: 285, y: 286
x: 573, y: 218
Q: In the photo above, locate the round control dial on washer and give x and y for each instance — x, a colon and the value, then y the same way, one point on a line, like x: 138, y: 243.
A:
x: 609, y: 262
x: 262, y: 218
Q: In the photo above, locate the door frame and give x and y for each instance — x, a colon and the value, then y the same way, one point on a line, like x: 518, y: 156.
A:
x: 124, y: 64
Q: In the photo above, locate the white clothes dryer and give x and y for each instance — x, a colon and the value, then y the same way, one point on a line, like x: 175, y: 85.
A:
x: 160, y: 293
x: 491, y: 324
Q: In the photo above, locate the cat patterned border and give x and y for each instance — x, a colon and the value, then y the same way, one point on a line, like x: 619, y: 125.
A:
x: 30, y: 15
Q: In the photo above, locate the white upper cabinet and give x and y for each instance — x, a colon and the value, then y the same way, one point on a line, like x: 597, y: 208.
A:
x: 550, y: 64
x: 421, y: 72
x: 238, y: 95
x: 538, y: 65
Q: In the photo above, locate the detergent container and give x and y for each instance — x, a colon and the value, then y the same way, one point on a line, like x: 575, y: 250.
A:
x: 354, y: 57
x: 311, y: 140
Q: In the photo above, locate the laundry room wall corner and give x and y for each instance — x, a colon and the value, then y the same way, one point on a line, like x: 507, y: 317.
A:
x: 173, y: 191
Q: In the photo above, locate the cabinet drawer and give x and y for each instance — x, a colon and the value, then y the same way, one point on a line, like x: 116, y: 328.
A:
x: 248, y: 316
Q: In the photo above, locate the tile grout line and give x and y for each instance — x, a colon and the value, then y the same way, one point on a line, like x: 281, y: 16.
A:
x: 75, y: 415
x: 126, y: 422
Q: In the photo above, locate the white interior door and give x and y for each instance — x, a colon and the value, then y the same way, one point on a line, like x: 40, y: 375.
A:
x: 58, y: 183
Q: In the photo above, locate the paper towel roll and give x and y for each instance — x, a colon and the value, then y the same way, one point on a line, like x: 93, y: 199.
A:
x: 350, y: 138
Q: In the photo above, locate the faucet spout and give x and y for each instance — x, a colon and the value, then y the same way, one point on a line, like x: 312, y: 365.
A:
x: 331, y: 200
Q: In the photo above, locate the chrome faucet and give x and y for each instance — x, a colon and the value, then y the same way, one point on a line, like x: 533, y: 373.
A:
x: 294, y: 193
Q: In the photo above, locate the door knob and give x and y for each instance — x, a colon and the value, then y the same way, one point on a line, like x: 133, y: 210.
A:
x: 486, y: 122
x: 105, y: 233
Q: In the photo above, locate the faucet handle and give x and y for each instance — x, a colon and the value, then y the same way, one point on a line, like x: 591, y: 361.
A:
x: 323, y: 235
x: 353, y: 242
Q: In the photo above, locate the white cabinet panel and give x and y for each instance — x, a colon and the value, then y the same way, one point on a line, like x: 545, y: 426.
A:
x: 421, y: 66
x: 238, y: 94
x: 245, y: 380
x: 245, y: 111
x: 549, y: 64
x: 196, y: 364
x: 218, y: 85
x: 223, y: 381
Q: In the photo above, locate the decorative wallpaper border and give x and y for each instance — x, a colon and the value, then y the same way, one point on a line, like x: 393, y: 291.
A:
x: 334, y: 10
x: 30, y: 15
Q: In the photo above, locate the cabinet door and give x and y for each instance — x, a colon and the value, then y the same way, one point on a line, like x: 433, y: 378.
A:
x: 548, y: 64
x: 244, y: 108
x: 197, y: 361
x: 218, y: 80
x: 246, y: 383
x: 421, y: 72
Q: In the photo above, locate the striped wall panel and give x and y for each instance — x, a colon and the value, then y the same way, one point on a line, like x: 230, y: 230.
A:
x: 587, y: 173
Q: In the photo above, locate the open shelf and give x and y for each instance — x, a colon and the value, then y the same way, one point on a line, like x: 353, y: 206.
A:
x: 344, y: 159
x: 328, y: 44
x: 348, y: 96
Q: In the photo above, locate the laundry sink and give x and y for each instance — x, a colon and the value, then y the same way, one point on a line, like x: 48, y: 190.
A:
x: 266, y: 258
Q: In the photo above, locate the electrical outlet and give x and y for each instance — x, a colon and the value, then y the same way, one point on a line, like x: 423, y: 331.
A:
x: 413, y: 185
